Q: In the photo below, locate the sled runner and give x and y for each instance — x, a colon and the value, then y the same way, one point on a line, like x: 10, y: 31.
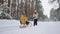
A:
x: 28, y: 24
x: 22, y: 26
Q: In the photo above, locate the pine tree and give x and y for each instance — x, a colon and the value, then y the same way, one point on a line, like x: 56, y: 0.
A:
x: 39, y: 8
x: 57, y: 11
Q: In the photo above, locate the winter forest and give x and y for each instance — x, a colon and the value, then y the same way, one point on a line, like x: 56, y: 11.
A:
x: 29, y: 16
x: 12, y: 9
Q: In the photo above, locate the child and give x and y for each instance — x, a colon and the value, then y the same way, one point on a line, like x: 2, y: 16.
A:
x: 23, y: 20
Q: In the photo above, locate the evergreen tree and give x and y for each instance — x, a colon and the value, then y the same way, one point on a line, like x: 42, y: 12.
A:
x: 56, y: 12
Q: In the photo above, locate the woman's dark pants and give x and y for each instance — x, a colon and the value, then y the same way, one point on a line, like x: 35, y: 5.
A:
x: 35, y: 22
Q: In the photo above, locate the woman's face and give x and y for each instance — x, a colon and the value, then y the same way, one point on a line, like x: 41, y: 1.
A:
x: 35, y: 12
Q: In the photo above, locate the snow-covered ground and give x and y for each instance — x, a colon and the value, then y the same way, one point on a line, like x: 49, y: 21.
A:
x: 12, y: 27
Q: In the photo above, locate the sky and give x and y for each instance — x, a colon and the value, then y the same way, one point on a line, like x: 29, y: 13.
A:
x: 47, y: 7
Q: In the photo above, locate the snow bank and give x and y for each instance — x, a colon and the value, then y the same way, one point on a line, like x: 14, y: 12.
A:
x: 6, y: 23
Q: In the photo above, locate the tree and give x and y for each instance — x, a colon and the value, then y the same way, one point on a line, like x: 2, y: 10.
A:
x: 39, y: 8
x: 56, y: 13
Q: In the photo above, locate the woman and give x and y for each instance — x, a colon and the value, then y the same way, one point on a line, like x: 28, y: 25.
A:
x: 35, y: 16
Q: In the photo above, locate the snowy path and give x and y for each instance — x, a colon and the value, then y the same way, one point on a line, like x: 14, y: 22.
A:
x: 12, y: 27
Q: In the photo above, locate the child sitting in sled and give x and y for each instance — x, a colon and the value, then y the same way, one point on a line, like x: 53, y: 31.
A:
x: 23, y: 20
